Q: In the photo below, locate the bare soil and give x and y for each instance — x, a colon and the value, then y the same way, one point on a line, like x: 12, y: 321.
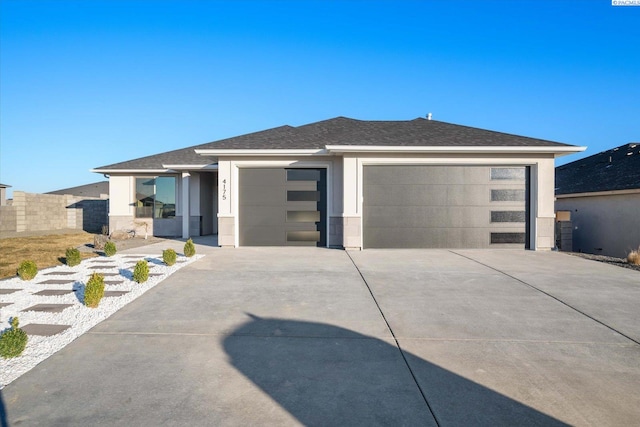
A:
x: 47, y: 248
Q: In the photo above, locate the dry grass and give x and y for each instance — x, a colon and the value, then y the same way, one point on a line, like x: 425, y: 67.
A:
x: 634, y: 257
x: 45, y: 251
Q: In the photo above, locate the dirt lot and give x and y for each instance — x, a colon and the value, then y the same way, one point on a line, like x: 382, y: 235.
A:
x: 47, y: 248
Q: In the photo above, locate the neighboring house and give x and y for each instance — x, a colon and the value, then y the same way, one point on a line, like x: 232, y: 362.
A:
x: 348, y: 183
x: 3, y: 194
x: 602, y: 192
x: 98, y: 190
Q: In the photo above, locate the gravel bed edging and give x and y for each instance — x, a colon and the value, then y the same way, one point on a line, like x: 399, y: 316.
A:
x: 620, y: 262
x: 78, y: 316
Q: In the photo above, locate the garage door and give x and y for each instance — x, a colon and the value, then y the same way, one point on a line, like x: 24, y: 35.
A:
x: 445, y: 206
x: 282, y: 207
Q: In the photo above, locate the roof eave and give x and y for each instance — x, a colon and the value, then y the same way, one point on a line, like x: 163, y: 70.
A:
x: 262, y: 152
x: 556, y: 151
x: 108, y: 171
x: 208, y: 167
x: 598, y: 193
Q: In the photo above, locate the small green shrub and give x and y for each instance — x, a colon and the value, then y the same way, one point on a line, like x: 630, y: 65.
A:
x: 72, y: 256
x: 94, y: 290
x: 141, y: 271
x: 189, y: 249
x: 13, y: 341
x: 27, y: 270
x: 109, y: 248
x: 169, y: 256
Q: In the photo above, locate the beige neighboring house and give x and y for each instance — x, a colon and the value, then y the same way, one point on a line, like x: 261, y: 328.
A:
x: 602, y: 194
x: 3, y: 194
x: 348, y: 183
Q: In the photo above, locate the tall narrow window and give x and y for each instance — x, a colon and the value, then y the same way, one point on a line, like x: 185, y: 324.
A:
x: 144, y: 197
x: 165, y: 204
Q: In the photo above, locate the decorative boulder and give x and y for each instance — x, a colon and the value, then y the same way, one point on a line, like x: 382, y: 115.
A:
x: 99, y: 240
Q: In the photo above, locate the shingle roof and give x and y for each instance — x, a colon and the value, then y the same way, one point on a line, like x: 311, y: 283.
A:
x: 95, y: 189
x: 344, y: 131
x: 614, y: 169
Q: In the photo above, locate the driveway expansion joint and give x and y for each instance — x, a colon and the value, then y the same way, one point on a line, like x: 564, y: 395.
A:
x: 550, y: 296
x: 406, y: 362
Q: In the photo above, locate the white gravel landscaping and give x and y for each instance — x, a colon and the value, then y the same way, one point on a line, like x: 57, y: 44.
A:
x: 78, y: 317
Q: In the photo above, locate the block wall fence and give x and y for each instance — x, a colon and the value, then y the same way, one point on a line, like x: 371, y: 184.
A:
x: 41, y: 212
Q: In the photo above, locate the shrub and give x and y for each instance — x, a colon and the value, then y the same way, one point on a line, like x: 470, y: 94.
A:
x: 634, y: 257
x: 109, y: 248
x: 94, y: 290
x: 141, y: 271
x: 13, y: 341
x: 72, y: 256
x: 189, y: 248
x: 27, y: 270
x: 169, y: 256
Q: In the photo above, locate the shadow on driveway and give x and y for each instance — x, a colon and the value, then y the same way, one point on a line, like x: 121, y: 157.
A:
x: 327, y: 375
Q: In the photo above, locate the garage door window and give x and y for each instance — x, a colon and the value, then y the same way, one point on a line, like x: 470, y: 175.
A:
x: 303, y: 196
x: 513, y: 174
x: 508, y: 238
x: 507, y: 195
x: 508, y: 216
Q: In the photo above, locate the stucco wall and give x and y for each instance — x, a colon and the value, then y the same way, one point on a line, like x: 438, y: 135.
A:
x: 345, y: 190
x: 121, y: 214
x: 605, y: 224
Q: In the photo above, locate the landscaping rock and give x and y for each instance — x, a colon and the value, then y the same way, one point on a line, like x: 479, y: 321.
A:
x: 121, y: 235
x: 99, y: 240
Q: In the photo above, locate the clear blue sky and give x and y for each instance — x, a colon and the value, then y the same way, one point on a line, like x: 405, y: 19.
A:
x: 88, y: 83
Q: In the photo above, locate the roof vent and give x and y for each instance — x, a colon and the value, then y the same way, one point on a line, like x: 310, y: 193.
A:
x: 429, y: 116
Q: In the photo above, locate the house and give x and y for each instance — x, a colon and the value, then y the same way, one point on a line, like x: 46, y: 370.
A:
x: 348, y: 183
x: 98, y: 190
x: 602, y: 194
x: 3, y: 194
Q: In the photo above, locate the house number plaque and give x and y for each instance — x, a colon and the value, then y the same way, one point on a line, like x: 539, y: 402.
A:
x: 224, y: 189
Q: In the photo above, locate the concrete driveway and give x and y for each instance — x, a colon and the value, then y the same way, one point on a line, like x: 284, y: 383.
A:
x: 285, y: 336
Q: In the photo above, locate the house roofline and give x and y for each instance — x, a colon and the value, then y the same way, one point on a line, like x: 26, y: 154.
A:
x: 598, y: 193
x: 261, y: 152
x: 558, y: 151
x: 213, y: 167
x: 109, y: 171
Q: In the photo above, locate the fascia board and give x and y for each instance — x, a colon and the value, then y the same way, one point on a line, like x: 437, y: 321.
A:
x: 452, y: 149
x: 130, y: 171
x: 598, y: 193
x: 262, y: 152
x: 192, y: 167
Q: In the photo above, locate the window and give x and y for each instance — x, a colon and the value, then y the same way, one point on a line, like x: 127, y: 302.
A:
x: 303, y: 175
x: 507, y: 195
x: 155, y: 197
x: 507, y: 216
x: 303, y: 196
x: 508, y: 238
x: 508, y: 173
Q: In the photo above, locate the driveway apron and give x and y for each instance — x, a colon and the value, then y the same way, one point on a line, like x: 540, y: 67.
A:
x: 309, y: 336
x: 506, y: 322
x: 250, y: 336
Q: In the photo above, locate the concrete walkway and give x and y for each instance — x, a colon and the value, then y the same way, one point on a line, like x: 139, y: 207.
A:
x: 286, y: 336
